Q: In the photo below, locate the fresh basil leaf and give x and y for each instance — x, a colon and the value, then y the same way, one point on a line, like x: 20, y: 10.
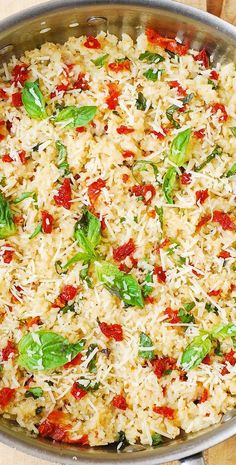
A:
x: 7, y: 225
x: 141, y: 102
x: 87, y: 385
x: 179, y: 147
x: 37, y: 230
x: 92, y: 366
x: 33, y: 100
x: 147, y: 289
x: 79, y: 257
x: 23, y: 196
x: 184, y: 316
x: 196, y: 351
x: 211, y: 308
x: 121, y: 284
x: 87, y: 232
x: 100, y: 61
x: 189, y: 306
x: 76, y: 116
x: 169, y: 184
x: 68, y: 308
x: 232, y: 171
x: 62, y: 157
x: 215, y: 153
x: 233, y: 130
x: 157, y: 439
x: 224, y: 331
x: 160, y: 213
x: 145, y: 341
x: 85, y: 276
x: 212, y: 84
x: 170, y: 115
x: 153, y: 74
x: 141, y: 165
x: 34, y: 392
x: 150, y: 57
x: 46, y: 350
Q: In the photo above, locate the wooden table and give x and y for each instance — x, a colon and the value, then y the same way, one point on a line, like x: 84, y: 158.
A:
x: 224, y: 454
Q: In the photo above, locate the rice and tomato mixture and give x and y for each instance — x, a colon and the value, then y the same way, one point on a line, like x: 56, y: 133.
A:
x: 117, y: 240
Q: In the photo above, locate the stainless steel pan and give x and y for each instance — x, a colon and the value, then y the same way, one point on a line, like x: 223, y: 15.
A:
x: 56, y: 21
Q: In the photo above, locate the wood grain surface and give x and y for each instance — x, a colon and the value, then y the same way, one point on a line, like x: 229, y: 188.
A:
x: 223, y: 454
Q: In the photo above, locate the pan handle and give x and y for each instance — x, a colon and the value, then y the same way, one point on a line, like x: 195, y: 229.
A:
x: 196, y: 459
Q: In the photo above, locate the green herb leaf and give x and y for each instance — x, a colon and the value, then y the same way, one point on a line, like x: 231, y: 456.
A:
x: 34, y: 392
x: 76, y: 116
x: 215, y: 153
x: 160, y: 213
x: 156, y: 439
x: 218, y: 349
x: 184, y: 316
x: 147, y: 289
x: 92, y: 366
x: 224, y: 331
x: 37, y: 230
x: 179, y: 147
x: 85, y: 276
x: 33, y: 100
x: 79, y: 257
x: 141, y: 165
x: 233, y: 130
x: 23, y: 196
x: 196, y: 351
x: 170, y: 116
x: 46, y: 350
x: 7, y: 225
x: 145, y: 341
x: 121, y: 284
x: 232, y: 171
x: 169, y: 183
x: 62, y: 157
x: 87, y: 232
x: 87, y: 385
x: 150, y: 57
x: 189, y: 306
x: 68, y: 308
x: 212, y: 84
x: 153, y: 74
x: 187, y: 98
x: 211, y: 308
x: 141, y: 102
x: 100, y: 61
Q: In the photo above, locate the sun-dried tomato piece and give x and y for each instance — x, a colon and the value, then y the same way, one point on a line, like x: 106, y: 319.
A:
x: 119, y: 66
x: 59, y: 88
x: 214, y: 293
x: 47, y: 222
x: 124, y: 130
x: 81, y: 82
x: 68, y: 293
x: 77, y: 392
x: 20, y: 73
x: 9, y: 349
x: 123, y: 251
x: 18, y: 219
x: 166, y: 412
x: 68, y: 67
x: 6, y: 396
x: 162, y: 365
x: 3, y: 95
x: 73, y: 363
x: 164, y: 42
x: 7, y: 158
x: 172, y: 315
x: 207, y: 360
x: 33, y: 321
x: 159, y: 135
x: 215, y: 107
x: 125, y: 177
x: 48, y: 429
x: 8, y: 254
x: 224, y: 220
x: 147, y: 191
x: 201, y: 196
x: 16, y: 99
x: 200, y: 134
x: 119, y: 402
x: 64, y: 195
x: 203, y: 58
x: 160, y: 273
x: 149, y: 299
x: 203, y: 220
x: 214, y: 75
x: 81, y: 129
x: 231, y: 357
x: 186, y: 178
x: 180, y: 90
x: 114, y: 93
x: 204, y: 396
x: 92, y: 42
x: 111, y: 331
x: 224, y: 254
x: 22, y: 157
x: 94, y: 190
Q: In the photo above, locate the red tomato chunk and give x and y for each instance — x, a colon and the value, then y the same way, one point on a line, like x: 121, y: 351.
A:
x: 92, y: 42
x: 47, y: 222
x: 224, y: 220
x: 64, y: 195
x: 186, y: 178
x: 20, y: 74
x: 172, y: 315
x: 166, y: 412
x: 164, y: 42
x: 124, y: 130
x: 6, y: 396
x: 112, y: 331
x: 68, y: 293
x: 8, y: 350
x: 201, y: 196
x: 162, y: 365
x: 147, y: 191
x: 203, y: 58
x: 160, y: 273
x: 119, y: 402
x: 77, y: 392
x: 94, y: 190
x: 122, y: 66
x: 120, y: 253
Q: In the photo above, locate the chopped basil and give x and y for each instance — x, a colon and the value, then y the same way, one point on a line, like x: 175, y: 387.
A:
x: 169, y: 183
x: 141, y: 102
x: 124, y: 285
x: 216, y: 152
x: 33, y: 100
x: 68, y: 308
x: 76, y: 116
x: 37, y: 230
x: 62, y: 157
x: 170, y: 115
x: 212, y: 84
x: 160, y: 213
x: 153, y: 74
x: 83, y: 274
x: 184, y: 316
x: 147, y: 289
x: 233, y: 130
x: 7, y: 225
x: 34, y: 392
x: 92, y: 366
x: 150, y: 57
x: 101, y: 61
x: 211, y: 308
x: 25, y: 195
x: 218, y: 349
x: 189, y: 306
x: 141, y: 165
x: 87, y: 385
x: 156, y: 439
x: 46, y: 350
x: 232, y: 171
x: 179, y: 147
x: 145, y: 344
x: 196, y: 351
x: 187, y: 98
